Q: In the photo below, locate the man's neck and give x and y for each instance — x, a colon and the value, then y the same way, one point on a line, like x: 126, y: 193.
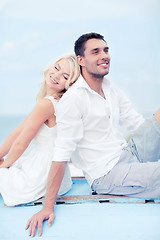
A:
x: 94, y: 83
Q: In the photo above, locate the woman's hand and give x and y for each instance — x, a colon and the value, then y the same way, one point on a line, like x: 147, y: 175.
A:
x: 1, y: 161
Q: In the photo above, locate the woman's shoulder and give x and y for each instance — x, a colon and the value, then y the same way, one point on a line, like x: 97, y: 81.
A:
x: 47, y: 104
x: 52, y: 100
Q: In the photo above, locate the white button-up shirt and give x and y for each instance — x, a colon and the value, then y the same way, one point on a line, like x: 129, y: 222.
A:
x: 89, y: 124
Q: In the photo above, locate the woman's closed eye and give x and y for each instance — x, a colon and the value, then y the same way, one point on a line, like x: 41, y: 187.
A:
x: 65, y: 77
x: 56, y: 68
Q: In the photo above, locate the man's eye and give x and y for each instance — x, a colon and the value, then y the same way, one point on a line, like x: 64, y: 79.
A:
x: 95, y: 52
x: 106, y: 50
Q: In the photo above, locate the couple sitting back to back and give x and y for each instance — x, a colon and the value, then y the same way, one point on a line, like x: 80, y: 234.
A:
x: 87, y: 117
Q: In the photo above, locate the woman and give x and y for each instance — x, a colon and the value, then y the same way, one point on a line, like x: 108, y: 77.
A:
x: 23, y: 179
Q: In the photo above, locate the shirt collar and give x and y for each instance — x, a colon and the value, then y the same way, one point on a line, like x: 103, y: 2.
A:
x: 81, y: 83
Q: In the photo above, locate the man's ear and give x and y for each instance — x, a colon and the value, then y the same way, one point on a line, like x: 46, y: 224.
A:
x: 80, y: 60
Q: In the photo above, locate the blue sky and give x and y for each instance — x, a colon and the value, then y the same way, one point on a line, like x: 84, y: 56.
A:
x: 35, y: 32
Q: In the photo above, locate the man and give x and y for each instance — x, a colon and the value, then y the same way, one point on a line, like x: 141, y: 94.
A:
x: 88, y: 116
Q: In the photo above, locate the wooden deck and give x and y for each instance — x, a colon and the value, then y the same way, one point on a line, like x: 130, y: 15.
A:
x: 82, y: 216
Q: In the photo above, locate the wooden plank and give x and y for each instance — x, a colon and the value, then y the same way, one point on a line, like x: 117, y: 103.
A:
x: 79, y: 199
x: 81, y: 193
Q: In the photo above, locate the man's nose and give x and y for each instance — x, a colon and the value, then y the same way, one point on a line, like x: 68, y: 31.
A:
x: 104, y: 55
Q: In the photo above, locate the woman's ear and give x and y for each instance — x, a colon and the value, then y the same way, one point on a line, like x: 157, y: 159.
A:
x: 80, y: 60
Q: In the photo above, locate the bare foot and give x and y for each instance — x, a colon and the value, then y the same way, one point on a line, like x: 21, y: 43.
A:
x: 157, y: 116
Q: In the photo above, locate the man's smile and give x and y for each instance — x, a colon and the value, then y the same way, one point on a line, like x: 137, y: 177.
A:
x: 104, y: 64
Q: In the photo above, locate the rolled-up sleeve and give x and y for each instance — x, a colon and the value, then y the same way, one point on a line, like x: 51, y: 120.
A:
x: 69, y: 127
x: 129, y: 117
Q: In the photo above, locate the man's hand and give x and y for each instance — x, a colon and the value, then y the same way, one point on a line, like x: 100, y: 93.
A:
x: 38, y: 219
x: 56, y: 174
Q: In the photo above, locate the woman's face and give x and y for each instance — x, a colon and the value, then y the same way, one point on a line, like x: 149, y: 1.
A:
x: 57, y: 76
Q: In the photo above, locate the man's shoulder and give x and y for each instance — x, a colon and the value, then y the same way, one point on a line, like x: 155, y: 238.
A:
x: 75, y: 91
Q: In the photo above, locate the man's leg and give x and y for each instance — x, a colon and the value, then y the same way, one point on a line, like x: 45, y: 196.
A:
x: 131, y: 179
x: 135, y: 174
x: 146, y: 140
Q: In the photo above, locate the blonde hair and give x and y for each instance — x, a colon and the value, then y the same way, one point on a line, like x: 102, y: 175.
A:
x: 74, y: 74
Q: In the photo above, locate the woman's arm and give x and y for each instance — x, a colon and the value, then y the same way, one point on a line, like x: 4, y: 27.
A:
x: 42, y: 111
x: 5, y: 147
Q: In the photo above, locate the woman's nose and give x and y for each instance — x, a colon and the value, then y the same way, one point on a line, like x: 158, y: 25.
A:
x: 56, y: 75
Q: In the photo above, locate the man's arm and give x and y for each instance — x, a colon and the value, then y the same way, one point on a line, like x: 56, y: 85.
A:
x: 129, y: 117
x: 69, y: 133
x: 55, y: 177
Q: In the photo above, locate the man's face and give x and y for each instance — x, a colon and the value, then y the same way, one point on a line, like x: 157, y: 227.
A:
x: 96, y: 59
